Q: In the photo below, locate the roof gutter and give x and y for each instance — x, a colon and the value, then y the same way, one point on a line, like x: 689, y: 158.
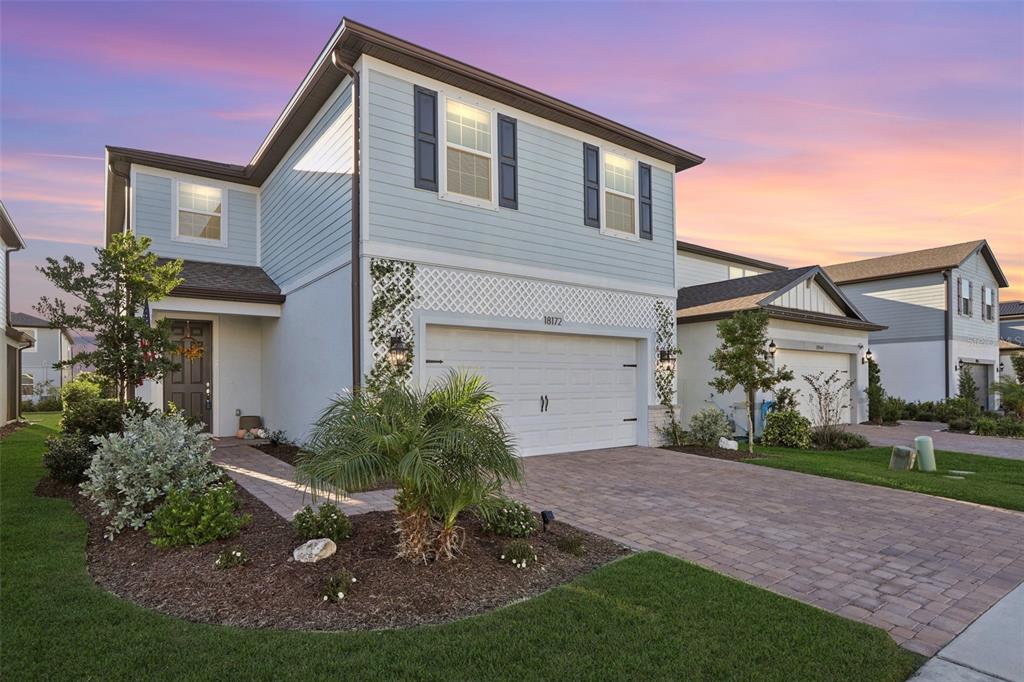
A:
x: 356, y: 266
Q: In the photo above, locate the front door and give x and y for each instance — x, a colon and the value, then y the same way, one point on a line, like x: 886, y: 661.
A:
x: 191, y: 387
x: 980, y: 374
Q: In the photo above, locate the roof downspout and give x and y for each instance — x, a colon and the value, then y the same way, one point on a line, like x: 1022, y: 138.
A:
x: 947, y: 278
x: 356, y: 267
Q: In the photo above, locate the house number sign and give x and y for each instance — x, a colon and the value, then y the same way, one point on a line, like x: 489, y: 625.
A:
x: 553, y: 319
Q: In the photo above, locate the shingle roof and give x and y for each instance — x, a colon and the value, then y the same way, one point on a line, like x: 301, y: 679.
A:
x: 1011, y: 308
x: 913, y: 262
x: 700, y: 250
x: 225, y: 282
x: 1009, y: 345
x: 26, y: 320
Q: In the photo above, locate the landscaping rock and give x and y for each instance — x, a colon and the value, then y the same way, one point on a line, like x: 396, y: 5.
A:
x: 314, y: 550
x: 727, y: 444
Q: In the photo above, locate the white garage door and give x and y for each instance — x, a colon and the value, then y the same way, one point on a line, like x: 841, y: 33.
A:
x: 558, y: 392
x: 803, y: 362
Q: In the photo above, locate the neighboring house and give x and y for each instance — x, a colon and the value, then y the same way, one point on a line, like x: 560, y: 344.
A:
x: 49, y: 347
x: 1007, y: 349
x: 696, y: 264
x: 409, y: 206
x: 14, y: 340
x: 941, y: 311
x: 813, y: 328
x: 1011, y: 322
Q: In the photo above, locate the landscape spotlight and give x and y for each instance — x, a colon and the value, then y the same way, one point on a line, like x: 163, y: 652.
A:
x: 547, y: 517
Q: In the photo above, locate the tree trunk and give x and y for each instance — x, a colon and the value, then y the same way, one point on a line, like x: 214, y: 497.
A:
x: 751, y: 396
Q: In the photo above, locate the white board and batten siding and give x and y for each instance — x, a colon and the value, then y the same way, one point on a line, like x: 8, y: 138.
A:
x: 811, y: 297
x: 153, y: 209
x: 557, y: 392
x: 545, y: 232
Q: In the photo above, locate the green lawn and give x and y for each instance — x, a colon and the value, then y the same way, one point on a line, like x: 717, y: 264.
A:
x: 646, y: 617
x: 996, y: 482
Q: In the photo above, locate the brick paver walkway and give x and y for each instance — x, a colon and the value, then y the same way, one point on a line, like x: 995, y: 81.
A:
x: 272, y: 482
x: 921, y: 567
x: 905, y: 432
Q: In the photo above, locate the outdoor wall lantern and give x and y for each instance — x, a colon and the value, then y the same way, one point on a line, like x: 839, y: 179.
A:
x: 1001, y: 367
x: 772, y: 348
x: 868, y: 357
x: 398, y: 352
x: 960, y: 365
x: 666, y: 359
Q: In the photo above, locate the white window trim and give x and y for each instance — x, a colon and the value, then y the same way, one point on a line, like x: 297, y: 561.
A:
x: 442, y: 156
x: 635, y: 237
x: 176, y: 232
x: 22, y: 385
x: 34, y: 348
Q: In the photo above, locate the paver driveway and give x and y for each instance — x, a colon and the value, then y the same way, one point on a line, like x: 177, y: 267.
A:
x: 905, y: 432
x: 921, y: 567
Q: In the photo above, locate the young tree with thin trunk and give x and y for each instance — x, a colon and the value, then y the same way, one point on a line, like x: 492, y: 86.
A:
x: 111, y: 300
x: 743, y: 360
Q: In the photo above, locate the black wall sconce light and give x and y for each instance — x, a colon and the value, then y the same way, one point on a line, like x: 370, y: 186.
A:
x: 666, y: 358
x: 868, y: 357
x: 772, y: 348
x: 960, y: 365
x: 398, y: 352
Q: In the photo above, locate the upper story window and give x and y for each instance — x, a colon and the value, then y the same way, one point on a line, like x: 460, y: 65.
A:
x: 619, y: 194
x: 988, y: 310
x: 964, y: 296
x: 736, y: 272
x: 469, y: 152
x: 200, y: 213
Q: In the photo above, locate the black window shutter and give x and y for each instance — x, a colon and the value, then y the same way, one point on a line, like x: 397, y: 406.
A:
x: 425, y: 122
x: 646, y: 219
x: 960, y: 295
x: 591, y: 186
x: 508, y: 171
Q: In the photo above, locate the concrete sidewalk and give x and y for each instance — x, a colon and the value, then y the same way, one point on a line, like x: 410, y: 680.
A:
x: 991, y: 649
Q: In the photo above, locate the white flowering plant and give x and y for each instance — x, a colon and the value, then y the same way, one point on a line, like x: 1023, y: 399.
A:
x: 519, y: 553
x: 337, y: 585
x: 327, y: 521
x: 133, y: 471
x: 509, y: 518
x: 231, y: 557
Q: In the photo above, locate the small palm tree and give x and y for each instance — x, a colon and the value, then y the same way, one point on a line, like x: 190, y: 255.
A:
x: 445, y: 446
x: 1011, y: 393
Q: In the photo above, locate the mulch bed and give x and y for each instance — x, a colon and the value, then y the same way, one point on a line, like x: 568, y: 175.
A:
x: 285, y: 452
x: 8, y: 429
x: 716, y: 453
x: 273, y: 591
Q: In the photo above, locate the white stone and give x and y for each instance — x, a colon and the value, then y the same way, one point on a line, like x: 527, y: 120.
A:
x: 314, y: 550
x: 727, y: 444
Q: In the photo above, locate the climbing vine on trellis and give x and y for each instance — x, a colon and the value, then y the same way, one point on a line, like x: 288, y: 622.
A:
x: 392, y: 301
x: 665, y: 375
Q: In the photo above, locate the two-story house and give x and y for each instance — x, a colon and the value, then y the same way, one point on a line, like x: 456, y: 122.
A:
x: 812, y: 328
x: 941, y: 311
x: 14, y: 341
x: 410, y: 213
x: 49, y: 347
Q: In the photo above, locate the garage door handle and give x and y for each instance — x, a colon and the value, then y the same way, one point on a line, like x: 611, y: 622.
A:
x: 631, y: 419
x: 543, y: 403
x: 435, y: 362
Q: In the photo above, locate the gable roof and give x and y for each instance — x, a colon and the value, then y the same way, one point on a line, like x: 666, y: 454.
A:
x: 31, y: 321
x: 1009, y: 345
x: 224, y: 282
x: 915, y: 263
x: 1011, y: 308
x: 690, y: 247
x: 351, y: 40
x: 722, y: 299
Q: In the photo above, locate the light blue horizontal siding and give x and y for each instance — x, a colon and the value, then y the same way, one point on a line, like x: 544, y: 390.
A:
x: 306, y: 206
x: 975, y: 269
x: 913, y: 308
x: 546, y: 231
x: 154, y: 218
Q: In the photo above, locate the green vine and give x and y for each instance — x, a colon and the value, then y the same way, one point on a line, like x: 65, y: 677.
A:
x: 665, y: 376
x: 390, y: 315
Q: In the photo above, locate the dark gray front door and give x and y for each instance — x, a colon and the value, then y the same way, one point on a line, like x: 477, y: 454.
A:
x: 191, y: 387
x: 980, y: 374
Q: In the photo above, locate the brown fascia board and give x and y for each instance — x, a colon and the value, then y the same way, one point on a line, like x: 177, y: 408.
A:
x: 690, y: 247
x: 17, y: 335
x: 227, y: 295
x: 354, y: 39
x: 990, y: 257
x: 791, y: 315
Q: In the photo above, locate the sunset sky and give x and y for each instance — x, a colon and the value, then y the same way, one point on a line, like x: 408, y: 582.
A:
x: 832, y: 131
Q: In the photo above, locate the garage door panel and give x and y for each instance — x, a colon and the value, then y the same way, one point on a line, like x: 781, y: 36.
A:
x: 803, y: 363
x: 589, y: 391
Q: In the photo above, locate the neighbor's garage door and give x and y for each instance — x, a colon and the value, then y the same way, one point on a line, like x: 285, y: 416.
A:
x: 558, y: 392
x: 803, y: 362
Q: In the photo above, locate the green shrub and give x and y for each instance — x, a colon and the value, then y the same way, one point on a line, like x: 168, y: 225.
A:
x: 27, y: 406
x: 508, y: 518
x: 519, y: 553
x: 50, y: 403
x: 133, y: 471
x: 788, y: 429
x: 326, y: 522
x: 230, y: 557
x: 960, y: 424
x: 709, y: 425
x: 79, y: 391
x: 876, y: 394
x: 337, y: 585
x: 1010, y: 426
x: 673, y: 433
x: 838, y: 439
x: 93, y: 417
x: 572, y: 544
x: 958, y: 408
x: 191, y: 518
x: 68, y: 456
x: 985, y: 426
x: 785, y: 399
x: 893, y: 408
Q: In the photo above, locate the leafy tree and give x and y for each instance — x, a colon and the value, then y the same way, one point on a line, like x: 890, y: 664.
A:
x: 110, y: 297
x: 446, y: 448
x: 743, y: 360
x: 1012, y: 395
x: 1017, y: 360
x: 966, y: 386
x: 876, y: 394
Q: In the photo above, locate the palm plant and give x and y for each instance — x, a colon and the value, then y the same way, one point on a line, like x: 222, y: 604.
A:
x: 1011, y: 393
x: 445, y: 446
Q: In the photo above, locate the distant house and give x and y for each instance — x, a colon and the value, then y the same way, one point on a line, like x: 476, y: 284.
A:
x: 697, y: 264
x: 941, y: 311
x: 1011, y: 322
x: 14, y: 340
x: 50, y: 346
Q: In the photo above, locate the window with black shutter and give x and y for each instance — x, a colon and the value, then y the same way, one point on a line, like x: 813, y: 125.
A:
x: 425, y: 123
x: 508, y: 171
x: 591, y: 186
x: 646, y: 219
